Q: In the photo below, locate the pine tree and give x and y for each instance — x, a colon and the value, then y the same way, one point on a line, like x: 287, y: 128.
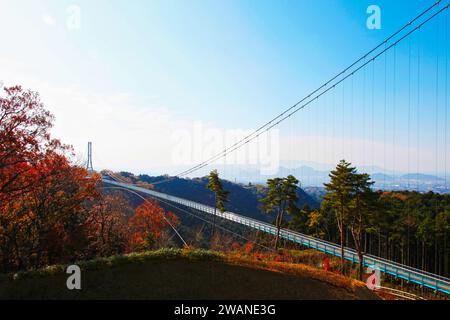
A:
x: 220, y: 195
x: 363, y: 203
x: 339, y: 197
x: 281, y: 198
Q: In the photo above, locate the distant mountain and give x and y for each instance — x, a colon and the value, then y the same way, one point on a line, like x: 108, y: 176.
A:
x: 317, y: 193
x: 251, y: 174
x: 421, y: 177
x: 248, y: 188
x: 243, y: 199
x: 314, y: 174
x: 381, y: 177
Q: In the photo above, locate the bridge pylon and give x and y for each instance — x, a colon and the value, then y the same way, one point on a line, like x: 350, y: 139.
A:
x: 89, y: 165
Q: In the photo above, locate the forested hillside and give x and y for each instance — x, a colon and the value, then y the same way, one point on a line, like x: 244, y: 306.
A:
x: 408, y: 227
x: 412, y: 228
x: 243, y: 199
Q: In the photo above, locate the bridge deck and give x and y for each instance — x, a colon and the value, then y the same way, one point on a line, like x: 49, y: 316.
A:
x: 436, y: 282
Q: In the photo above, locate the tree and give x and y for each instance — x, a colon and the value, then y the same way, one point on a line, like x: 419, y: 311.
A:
x: 24, y: 139
x: 363, y: 203
x: 107, y: 226
x: 42, y: 196
x: 46, y: 224
x: 339, y: 197
x: 443, y: 231
x: 318, y: 224
x: 44, y: 199
x: 149, y: 226
x: 299, y: 221
x: 281, y: 198
x: 220, y: 195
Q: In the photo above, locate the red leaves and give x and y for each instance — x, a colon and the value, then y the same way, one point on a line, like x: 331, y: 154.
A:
x: 326, y: 264
x: 149, y: 224
x: 24, y: 138
x: 50, y: 210
x: 43, y: 196
x: 107, y: 226
x: 248, y: 247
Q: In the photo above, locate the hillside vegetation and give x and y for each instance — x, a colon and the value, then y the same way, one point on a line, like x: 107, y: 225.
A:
x: 243, y: 199
x: 184, y: 274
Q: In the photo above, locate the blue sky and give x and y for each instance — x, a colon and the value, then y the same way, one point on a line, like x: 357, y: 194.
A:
x: 229, y: 64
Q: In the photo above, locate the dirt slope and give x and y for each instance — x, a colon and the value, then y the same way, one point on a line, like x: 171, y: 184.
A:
x: 181, y: 279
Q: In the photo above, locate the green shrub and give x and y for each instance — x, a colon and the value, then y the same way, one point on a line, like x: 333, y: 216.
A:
x: 135, y: 257
x: 204, y: 255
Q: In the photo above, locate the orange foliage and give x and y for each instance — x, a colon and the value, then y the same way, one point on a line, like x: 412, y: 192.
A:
x: 44, y: 199
x: 149, y: 224
x: 46, y: 223
x: 397, y: 195
x: 248, y: 247
x: 107, y: 226
x: 145, y: 185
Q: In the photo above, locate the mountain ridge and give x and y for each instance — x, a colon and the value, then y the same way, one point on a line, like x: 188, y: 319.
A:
x: 243, y: 199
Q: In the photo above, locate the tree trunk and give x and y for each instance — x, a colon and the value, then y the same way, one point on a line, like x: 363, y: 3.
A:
x: 214, y: 218
x: 346, y: 238
x: 360, y: 257
x: 279, y: 220
x: 365, y: 241
x: 357, y: 239
x: 379, y: 243
x: 277, y: 238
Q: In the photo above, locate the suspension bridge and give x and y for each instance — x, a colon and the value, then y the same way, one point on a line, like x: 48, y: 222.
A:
x: 374, y: 92
x: 420, y: 277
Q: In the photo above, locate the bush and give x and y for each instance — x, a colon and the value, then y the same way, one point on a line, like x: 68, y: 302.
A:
x: 135, y: 257
x: 201, y: 254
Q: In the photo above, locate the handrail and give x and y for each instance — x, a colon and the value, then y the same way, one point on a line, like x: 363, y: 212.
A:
x: 436, y: 282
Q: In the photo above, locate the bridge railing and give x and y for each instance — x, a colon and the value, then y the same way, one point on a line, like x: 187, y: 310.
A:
x: 438, y: 283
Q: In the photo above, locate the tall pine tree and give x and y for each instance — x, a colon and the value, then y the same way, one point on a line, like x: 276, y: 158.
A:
x: 339, y: 197
x: 281, y: 198
x: 361, y: 208
x: 220, y: 195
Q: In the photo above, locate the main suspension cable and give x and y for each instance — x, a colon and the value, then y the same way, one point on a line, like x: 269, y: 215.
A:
x: 267, y: 126
x: 300, y: 107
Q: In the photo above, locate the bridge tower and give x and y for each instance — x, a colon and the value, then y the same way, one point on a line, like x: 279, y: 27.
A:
x: 89, y: 165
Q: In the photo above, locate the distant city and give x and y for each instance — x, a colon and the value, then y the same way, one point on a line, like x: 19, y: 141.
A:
x: 315, y: 175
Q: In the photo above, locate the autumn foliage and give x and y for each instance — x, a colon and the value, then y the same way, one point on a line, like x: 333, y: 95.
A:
x: 107, y: 226
x: 51, y: 211
x: 150, y: 225
x: 24, y: 141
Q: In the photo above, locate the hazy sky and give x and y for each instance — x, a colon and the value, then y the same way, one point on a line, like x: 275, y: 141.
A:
x: 137, y: 78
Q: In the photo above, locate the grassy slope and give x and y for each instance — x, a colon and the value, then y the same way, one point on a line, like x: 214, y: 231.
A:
x: 176, y: 274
